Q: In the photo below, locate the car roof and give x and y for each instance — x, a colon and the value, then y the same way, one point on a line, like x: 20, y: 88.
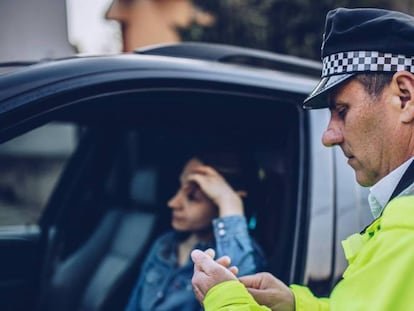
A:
x: 237, y: 55
x: 195, y: 61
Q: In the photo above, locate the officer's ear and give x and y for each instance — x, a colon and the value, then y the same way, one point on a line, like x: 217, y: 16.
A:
x: 403, y: 85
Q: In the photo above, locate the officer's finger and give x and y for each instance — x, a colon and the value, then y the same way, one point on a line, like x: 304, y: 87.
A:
x: 211, y: 252
x: 224, y: 261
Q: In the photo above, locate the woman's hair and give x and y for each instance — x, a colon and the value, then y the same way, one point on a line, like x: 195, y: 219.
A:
x: 239, y: 168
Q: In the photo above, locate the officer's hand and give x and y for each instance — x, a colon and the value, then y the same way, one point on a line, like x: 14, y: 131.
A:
x: 269, y: 291
x: 208, y: 273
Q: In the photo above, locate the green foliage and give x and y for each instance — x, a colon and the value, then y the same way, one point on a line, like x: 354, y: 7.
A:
x: 292, y: 27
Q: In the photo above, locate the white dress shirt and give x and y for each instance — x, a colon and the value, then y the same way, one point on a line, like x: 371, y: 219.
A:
x: 381, y: 192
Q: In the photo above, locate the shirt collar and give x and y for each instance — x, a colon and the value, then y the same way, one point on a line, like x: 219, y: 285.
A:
x: 381, y: 192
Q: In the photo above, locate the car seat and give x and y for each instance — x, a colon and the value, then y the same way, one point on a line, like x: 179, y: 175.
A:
x: 98, y: 276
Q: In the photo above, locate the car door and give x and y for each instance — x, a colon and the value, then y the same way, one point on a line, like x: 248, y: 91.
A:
x: 31, y: 165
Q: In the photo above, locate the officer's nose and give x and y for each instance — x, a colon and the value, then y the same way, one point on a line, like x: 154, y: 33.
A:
x: 333, y: 135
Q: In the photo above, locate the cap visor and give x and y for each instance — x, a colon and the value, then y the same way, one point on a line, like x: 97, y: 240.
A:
x: 318, y: 97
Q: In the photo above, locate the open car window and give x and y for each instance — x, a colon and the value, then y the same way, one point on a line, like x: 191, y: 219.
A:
x: 124, y: 154
x: 31, y: 165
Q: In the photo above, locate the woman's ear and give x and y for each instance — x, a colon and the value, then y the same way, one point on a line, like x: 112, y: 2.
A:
x: 403, y: 82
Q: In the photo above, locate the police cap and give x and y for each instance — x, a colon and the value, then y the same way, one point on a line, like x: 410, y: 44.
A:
x: 362, y: 40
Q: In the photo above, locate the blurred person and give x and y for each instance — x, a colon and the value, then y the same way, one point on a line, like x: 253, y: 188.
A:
x: 207, y: 212
x: 148, y: 22
x: 368, y: 85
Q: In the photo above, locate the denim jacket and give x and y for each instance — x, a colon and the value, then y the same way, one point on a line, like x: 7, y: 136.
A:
x: 163, y: 285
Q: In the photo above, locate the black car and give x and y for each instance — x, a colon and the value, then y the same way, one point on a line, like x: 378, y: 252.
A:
x: 91, y: 149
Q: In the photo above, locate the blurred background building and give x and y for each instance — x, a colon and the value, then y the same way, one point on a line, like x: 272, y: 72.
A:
x: 32, y: 30
x: 52, y: 28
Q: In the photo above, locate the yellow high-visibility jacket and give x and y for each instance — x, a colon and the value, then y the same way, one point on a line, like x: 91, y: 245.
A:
x: 380, y: 275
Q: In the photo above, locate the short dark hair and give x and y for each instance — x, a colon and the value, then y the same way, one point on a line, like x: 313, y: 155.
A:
x: 374, y: 82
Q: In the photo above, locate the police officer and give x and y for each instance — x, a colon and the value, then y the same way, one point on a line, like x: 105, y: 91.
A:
x: 368, y: 85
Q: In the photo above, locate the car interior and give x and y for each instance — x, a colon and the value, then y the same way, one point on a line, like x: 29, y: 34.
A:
x: 110, y: 202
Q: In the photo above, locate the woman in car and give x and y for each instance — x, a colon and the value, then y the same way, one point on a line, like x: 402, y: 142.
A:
x: 207, y: 212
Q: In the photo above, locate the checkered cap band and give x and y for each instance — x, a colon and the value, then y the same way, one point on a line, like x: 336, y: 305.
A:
x: 360, y: 61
